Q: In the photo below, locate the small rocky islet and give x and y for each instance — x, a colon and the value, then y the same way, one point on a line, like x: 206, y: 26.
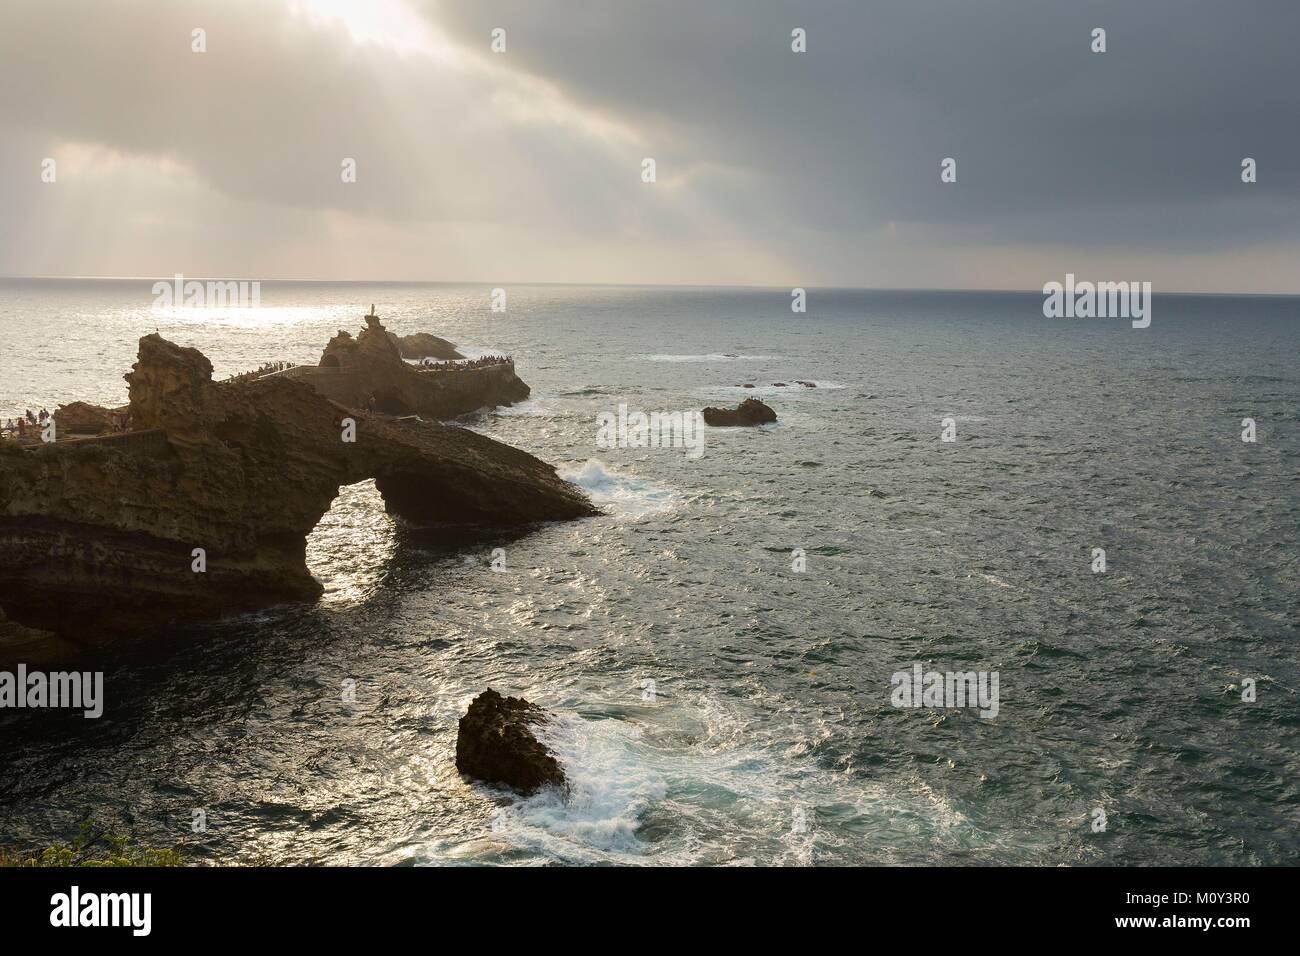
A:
x: 495, y: 743
x: 750, y: 412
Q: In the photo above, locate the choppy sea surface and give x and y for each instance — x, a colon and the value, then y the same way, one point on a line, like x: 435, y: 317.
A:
x: 714, y: 705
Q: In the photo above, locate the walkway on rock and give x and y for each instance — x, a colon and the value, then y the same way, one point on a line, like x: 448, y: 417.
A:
x: 145, y: 441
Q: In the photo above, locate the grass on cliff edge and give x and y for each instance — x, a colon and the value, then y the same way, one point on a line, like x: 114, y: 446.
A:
x: 90, y: 848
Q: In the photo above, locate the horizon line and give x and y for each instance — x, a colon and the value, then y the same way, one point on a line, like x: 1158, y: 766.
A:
x: 606, y: 285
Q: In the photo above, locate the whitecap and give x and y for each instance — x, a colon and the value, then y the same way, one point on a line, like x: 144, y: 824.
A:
x: 991, y: 578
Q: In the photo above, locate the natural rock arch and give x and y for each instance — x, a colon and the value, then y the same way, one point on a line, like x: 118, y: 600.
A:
x: 96, y: 536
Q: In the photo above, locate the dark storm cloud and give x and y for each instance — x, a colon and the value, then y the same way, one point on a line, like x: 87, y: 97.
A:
x: 773, y: 167
x: 1140, y: 144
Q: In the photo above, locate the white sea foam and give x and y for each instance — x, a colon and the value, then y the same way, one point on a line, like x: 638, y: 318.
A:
x: 670, y: 781
x: 991, y: 578
x: 534, y: 408
x: 623, y: 495
x: 610, y: 789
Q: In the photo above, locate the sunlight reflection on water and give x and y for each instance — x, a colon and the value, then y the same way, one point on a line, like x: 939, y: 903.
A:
x: 249, y: 317
x: 351, y: 549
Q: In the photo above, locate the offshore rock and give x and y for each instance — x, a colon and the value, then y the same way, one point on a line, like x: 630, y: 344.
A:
x: 368, y: 372
x: 749, y: 412
x: 422, y: 345
x: 203, y: 508
x: 495, y: 744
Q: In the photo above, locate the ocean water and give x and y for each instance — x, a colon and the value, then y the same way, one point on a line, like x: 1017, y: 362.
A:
x: 769, y: 737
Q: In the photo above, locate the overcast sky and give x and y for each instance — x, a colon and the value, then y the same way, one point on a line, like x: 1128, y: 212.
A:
x: 773, y: 167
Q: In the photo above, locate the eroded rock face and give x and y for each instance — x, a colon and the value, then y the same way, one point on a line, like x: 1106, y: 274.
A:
x: 749, y: 412
x: 100, y: 534
x: 165, y: 386
x: 495, y: 744
x: 422, y: 345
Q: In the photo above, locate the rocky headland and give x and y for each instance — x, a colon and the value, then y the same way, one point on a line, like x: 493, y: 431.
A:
x: 202, y: 508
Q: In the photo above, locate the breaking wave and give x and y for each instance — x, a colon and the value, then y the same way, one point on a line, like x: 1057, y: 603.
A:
x: 624, y: 495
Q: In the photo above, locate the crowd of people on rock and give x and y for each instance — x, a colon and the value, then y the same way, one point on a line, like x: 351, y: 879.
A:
x: 264, y: 369
x: 471, y: 363
x: 30, y: 426
x: 29, y: 423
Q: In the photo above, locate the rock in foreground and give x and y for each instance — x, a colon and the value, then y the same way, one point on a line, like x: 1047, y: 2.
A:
x: 749, y: 412
x: 496, y: 745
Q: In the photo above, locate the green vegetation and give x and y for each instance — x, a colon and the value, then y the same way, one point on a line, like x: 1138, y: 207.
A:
x: 93, y: 848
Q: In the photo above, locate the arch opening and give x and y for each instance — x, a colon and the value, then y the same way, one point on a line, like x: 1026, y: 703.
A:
x: 352, y: 548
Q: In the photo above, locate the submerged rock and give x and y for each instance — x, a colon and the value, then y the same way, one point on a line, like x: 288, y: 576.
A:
x: 494, y: 743
x: 749, y: 412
